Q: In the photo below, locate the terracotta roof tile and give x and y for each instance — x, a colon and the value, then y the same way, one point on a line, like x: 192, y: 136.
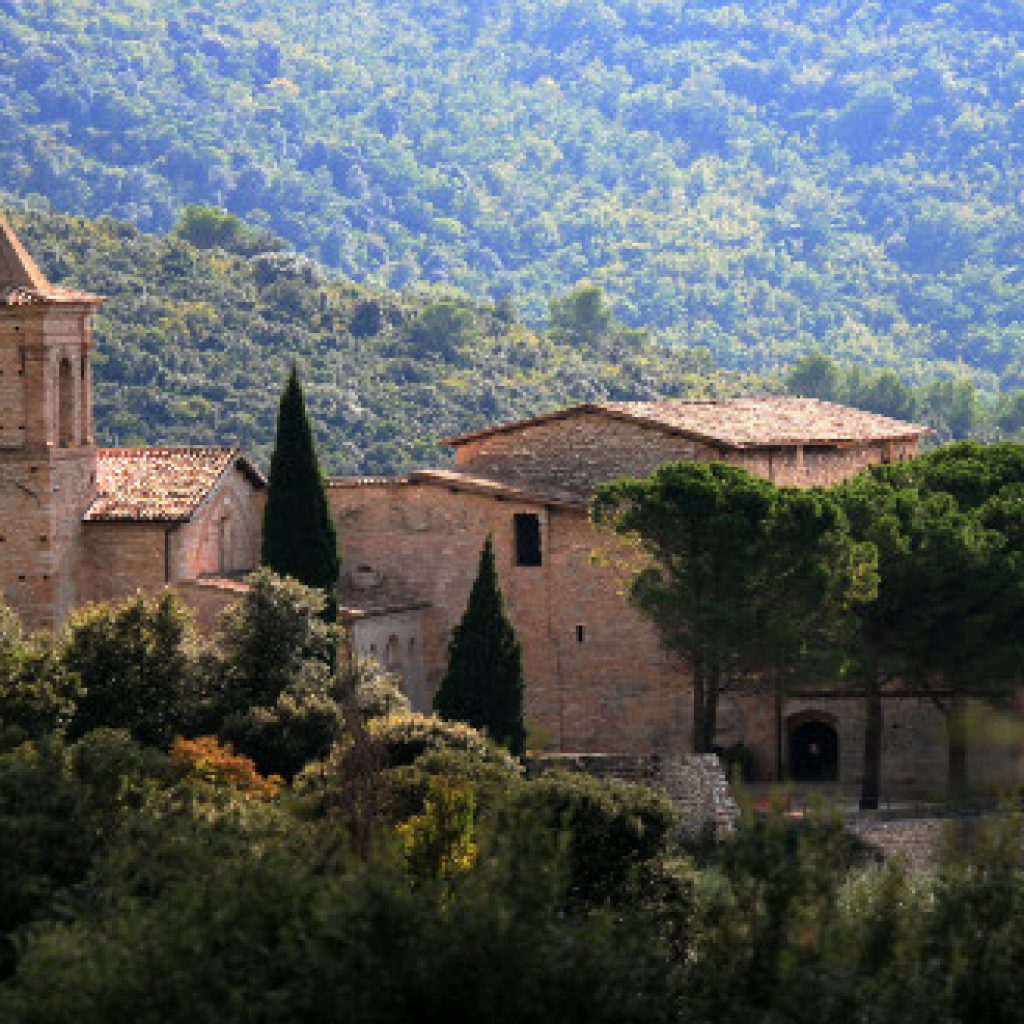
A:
x: 738, y: 422
x: 160, y: 484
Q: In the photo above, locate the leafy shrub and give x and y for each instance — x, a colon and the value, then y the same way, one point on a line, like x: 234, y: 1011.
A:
x: 59, y: 805
x: 408, y: 786
x: 207, y: 759
x: 299, y: 727
x: 403, y: 738
x: 613, y: 828
x: 37, y: 694
x: 136, y: 662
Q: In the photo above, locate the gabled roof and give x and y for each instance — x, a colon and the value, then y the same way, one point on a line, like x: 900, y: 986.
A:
x: 165, y: 485
x: 736, y: 422
x: 22, y: 283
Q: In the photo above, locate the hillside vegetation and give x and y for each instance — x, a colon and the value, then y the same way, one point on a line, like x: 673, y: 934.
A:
x: 194, y: 345
x: 760, y: 179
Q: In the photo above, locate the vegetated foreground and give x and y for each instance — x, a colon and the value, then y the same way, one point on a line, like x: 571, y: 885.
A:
x: 348, y: 860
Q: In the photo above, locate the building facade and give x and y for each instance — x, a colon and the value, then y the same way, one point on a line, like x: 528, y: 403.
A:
x: 80, y: 523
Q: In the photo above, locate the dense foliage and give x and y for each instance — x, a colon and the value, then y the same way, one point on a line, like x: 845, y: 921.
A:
x: 298, y: 532
x: 193, y: 344
x: 431, y: 879
x: 483, y: 682
x: 759, y: 179
x: 749, y: 583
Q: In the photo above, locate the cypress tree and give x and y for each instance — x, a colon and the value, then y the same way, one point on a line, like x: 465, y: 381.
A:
x: 483, y: 684
x: 298, y: 534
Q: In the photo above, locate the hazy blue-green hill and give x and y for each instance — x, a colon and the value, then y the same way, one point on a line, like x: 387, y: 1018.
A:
x: 760, y: 178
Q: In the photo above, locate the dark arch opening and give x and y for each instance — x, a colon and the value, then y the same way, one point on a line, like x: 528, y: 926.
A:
x: 813, y: 751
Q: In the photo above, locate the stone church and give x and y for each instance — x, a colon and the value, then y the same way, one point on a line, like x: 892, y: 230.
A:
x: 80, y: 523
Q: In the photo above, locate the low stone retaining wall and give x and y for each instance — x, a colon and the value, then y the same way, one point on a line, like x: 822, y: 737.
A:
x: 695, y: 783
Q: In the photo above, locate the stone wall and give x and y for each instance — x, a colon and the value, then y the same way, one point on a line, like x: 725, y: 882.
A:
x: 47, y: 462
x: 123, y: 558
x: 597, y: 677
x: 695, y: 783
x: 817, y: 465
x: 576, y: 452
x: 223, y: 535
x: 914, y: 742
x: 394, y: 640
x: 209, y: 598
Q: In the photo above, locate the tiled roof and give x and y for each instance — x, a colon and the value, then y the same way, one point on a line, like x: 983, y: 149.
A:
x: 160, y: 484
x: 22, y: 283
x: 738, y: 422
x: 455, y: 480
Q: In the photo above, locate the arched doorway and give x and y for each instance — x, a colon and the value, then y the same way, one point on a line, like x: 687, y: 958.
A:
x: 813, y: 750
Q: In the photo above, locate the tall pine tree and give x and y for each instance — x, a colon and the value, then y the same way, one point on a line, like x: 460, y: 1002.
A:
x: 298, y: 534
x: 483, y: 685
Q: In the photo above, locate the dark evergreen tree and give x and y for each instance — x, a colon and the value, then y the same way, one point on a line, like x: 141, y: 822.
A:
x: 483, y: 685
x: 298, y: 534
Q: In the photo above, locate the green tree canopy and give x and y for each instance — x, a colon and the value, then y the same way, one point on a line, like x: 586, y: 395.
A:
x: 298, y: 533
x: 136, y: 663
x: 744, y: 580
x: 483, y: 684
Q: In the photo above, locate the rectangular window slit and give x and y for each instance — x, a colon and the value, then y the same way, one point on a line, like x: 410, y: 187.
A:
x: 527, y: 537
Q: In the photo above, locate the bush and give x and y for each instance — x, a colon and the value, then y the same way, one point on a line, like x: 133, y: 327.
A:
x: 613, y: 828
x: 403, y: 738
x: 282, y: 739
x: 59, y: 805
x: 493, y: 783
x: 136, y: 661
x: 37, y: 694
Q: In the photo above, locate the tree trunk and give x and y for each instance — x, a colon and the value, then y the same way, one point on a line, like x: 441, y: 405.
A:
x: 698, y: 710
x: 872, y: 782
x: 956, y: 732
x: 710, y: 715
x: 779, y: 767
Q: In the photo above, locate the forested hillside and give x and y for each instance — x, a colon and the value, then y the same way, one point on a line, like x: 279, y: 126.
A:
x: 760, y: 178
x: 195, y: 342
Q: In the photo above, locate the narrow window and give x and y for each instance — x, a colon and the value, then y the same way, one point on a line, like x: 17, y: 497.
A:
x: 581, y: 634
x: 224, y: 560
x: 527, y: 528
x: 393, y: 655
x: 65, y: 405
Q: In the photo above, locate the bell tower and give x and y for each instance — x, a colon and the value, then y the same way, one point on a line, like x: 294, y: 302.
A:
x: 47, y: 448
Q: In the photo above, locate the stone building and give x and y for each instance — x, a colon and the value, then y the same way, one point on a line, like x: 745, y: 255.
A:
x: 80, y: 523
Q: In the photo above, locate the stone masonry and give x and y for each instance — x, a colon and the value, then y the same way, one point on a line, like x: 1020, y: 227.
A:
x: 78, y: 523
